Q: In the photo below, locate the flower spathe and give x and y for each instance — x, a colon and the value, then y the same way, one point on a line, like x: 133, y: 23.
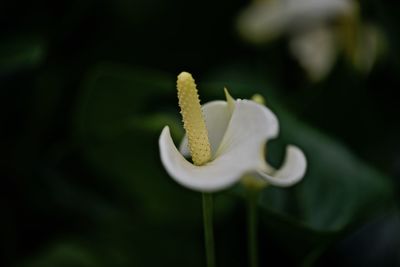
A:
x: 238, y: 131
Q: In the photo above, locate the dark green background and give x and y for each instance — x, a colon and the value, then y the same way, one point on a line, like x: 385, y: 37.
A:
x: 85, y: 89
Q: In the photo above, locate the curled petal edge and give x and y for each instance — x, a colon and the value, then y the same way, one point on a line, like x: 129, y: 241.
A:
x: 291, y: 172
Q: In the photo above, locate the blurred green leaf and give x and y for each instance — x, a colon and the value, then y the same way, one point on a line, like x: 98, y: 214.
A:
x: 64, y: 254
x: 338, y: 190
x: 338, y: 193
x: 114, y: 95
x: 21, y: 53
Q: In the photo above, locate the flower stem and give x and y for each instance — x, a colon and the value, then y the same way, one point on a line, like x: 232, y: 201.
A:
x: 208, y: 228
x: 252, y: 227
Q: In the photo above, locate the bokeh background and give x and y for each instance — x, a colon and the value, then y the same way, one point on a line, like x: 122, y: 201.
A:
x: 86, y: 87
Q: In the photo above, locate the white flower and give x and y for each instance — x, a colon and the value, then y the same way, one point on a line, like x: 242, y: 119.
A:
x: 267, y: 19
x: 238, y: 131
x: 318, y: 29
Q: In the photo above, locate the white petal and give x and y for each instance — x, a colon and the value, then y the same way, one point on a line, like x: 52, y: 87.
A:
x: 184, y: 147
x: 250, y: 126
x: 248, y: 119
x: 271, y: 121
x: 315, y: 50
x: 291, y: 172
x: 238, y: 153
x: 217, y: 117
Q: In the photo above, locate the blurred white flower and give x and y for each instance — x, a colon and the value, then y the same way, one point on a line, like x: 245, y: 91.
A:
x: 237, y: 131
x: 318, y: 31
x: 315, y: 50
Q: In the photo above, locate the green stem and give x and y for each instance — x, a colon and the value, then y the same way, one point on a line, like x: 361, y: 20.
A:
x: 252, y: 228
x: 208, y: 228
